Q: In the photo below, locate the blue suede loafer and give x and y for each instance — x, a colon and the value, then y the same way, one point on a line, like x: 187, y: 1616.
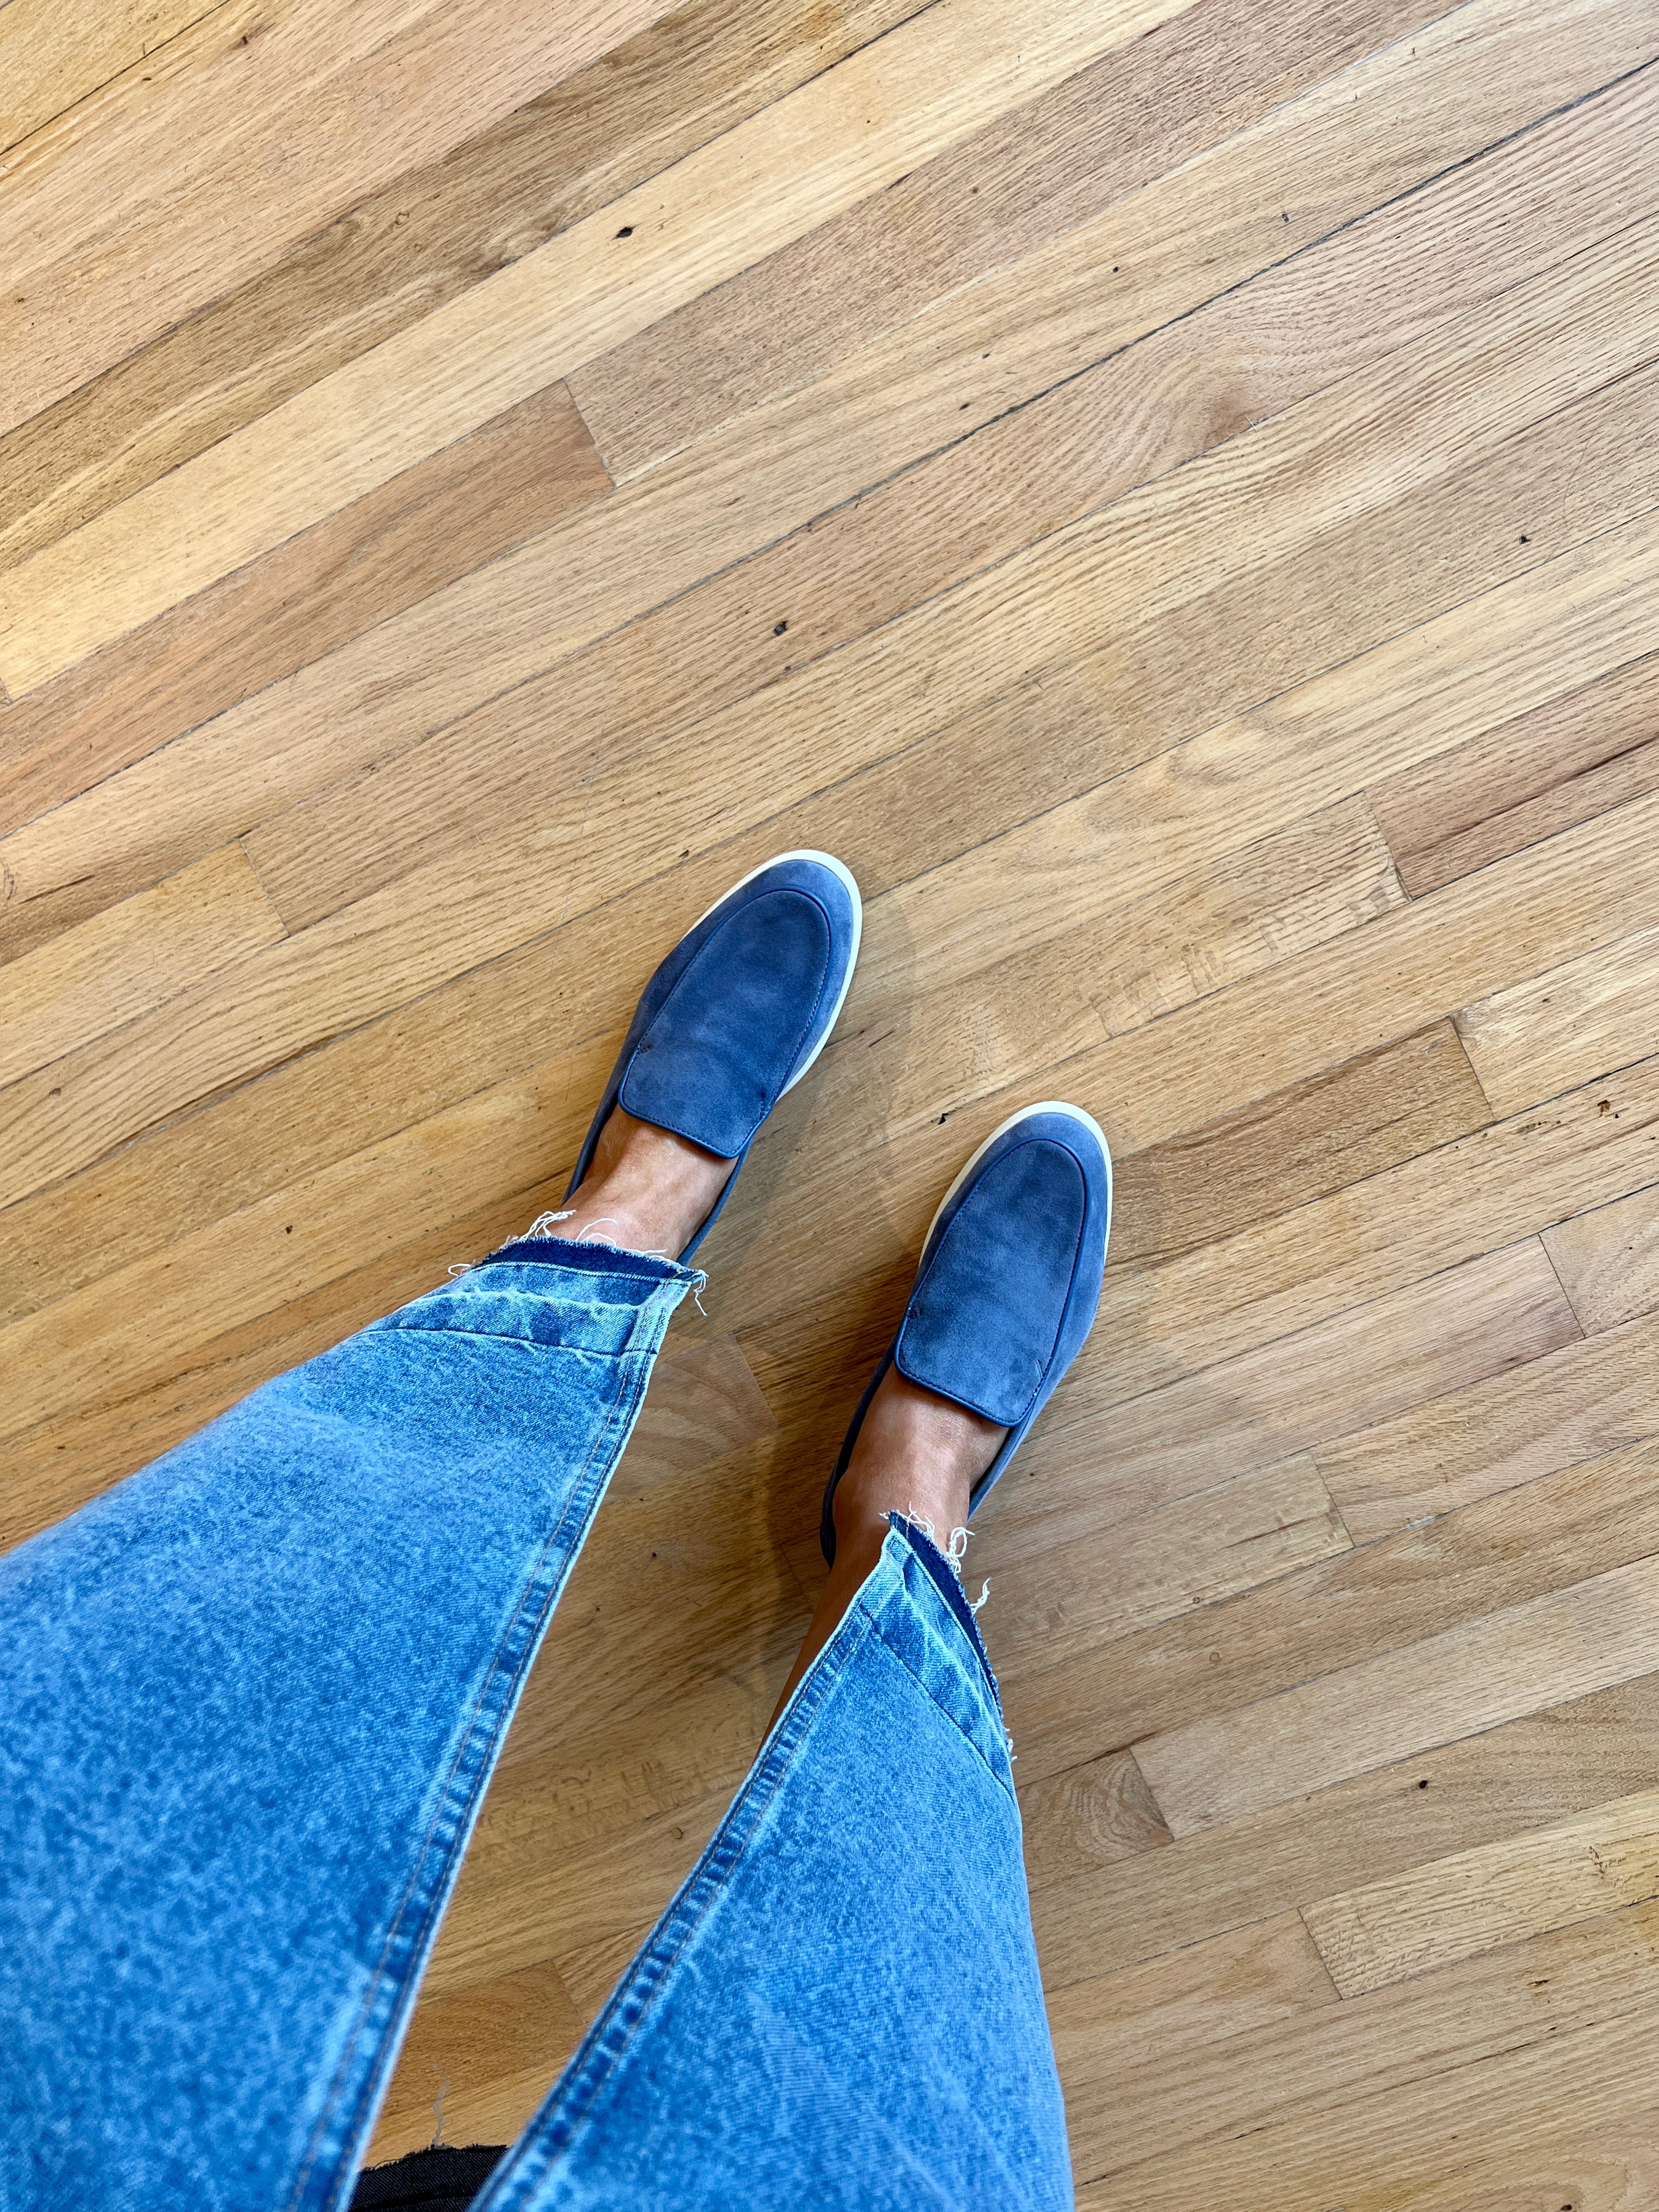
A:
x: 739, y: 1011
x: 1009, y: 1280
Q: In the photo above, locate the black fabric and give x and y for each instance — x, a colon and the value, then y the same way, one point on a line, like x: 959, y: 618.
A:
x: 446, y: 2180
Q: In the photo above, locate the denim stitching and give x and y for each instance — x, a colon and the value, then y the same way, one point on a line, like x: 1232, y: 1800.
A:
x: 494, y: 1691
x: 607, y: 2042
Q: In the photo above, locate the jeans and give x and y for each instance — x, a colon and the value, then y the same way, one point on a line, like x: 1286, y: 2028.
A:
x: 251, y: 1700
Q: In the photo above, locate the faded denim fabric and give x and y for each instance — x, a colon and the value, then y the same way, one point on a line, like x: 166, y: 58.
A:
x: 250, y: 1700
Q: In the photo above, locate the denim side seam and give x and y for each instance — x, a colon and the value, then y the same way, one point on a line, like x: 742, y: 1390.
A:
x: 606, y: 2042
x: 461, y: 1797
x: 1005, y: 1782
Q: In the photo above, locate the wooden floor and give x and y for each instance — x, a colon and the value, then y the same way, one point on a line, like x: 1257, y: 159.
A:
x: 1171, y: 494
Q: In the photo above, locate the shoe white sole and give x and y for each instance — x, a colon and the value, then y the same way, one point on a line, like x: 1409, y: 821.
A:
x: 1044, y: 1106
x: 837, y: 868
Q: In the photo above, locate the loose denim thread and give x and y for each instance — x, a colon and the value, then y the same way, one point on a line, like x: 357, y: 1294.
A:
x: 956, y: 1551
x: 539, y: 1228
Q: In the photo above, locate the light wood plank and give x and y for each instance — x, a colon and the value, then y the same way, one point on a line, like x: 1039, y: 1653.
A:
x: 408, y: 248
x: 843, y: 134
x: 1032, y: 471
x: 1482, y: 1318
x: 1437, y: 1209
x: 1027, y: 177
x: 1580, y: 1521
x: 1556, y: 1031
x: 1341, y: 1126
x: 385, y: 552
x: 1571, y: 1404
x: 1295, y: 888
x: 1565, y: 2031
x: 1612, y: 2167
x: 1567, y: 760
x: 131, y: 959
x: 264, y: 120
x: 458, y: 2049
x: 1236, y: 1984
x: 1529, y: 1772
x: 55, y: 55
x: 1597, y: 1862
x: 1090, y: 1816
x: 1608, y: 1260
x: 1045, y: 1609
x: 1145, y: 555
x: 1542, y: 1652
x: 1326, y: 2080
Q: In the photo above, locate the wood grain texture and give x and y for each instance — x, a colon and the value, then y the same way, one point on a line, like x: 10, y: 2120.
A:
x: 1573, y: 1404
x: 1030, y: 176
x: 1384, y: 1594
x: 1608, y: 1260
x: 132, y: 959
x: 1543, y: 1651
x: 1598, y: 1861
x: 477, y: 499
x: 240, y: 137
x: 833, y: 139
x: 1248, y: 353
x: 1558, y: 1030
x: 407, y: 249
x: 55, y: 56
x: 1564, y: 762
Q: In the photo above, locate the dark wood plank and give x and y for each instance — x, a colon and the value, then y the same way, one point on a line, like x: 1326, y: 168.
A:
x: 1565, y: 761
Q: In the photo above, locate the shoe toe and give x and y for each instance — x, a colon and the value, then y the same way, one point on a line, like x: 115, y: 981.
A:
x: 749, y: 1007
x: 1017, y: 1259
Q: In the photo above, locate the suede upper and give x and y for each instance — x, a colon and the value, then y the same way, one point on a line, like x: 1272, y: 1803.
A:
x: 737, y: 1012
x: 1009, y: 1281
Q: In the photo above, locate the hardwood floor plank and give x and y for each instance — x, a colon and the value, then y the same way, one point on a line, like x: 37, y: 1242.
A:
x: 264, y: 120
x: 849, y: 131
x: 1554, y: 1031
x: 414, y: 245
x: 55, y: 56
x: 1249, y: 1530
x: 131, y: 959
x: 1295, y: 888
x: 1247, y: 1413
x: 1321, y: 2080
x: 459, y: 510
x: 1333, y: 1129
x: 463, y: 2045
x: 1528, y: 1773
x: 1608, y: 1259
x: 1430, y: 1213
x: 1573, y: 1404
x: 1031, y: 472
x: 1234, y: 1985
x: 1566, y: 761
x: 1088, y: 1817
x: 1543, y: 1651
x: 1597, y: 1862
x: 1582, y: 1520
x: 1273, y: 1029
x: 1013, y: 623
x: 1608, y: 2169
x: 1027, y: 177
x: 1412, y: 2122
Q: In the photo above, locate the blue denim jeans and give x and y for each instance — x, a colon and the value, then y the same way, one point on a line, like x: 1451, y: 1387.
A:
x: 252, y: 1701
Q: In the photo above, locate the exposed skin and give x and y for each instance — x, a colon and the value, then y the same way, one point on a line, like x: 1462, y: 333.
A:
x: 916, y: 1453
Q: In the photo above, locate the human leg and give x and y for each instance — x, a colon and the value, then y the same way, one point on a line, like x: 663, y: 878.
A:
x: 255, y: 1692
x: 841, y: 2006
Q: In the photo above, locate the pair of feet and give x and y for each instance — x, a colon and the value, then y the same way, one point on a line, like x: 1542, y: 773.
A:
x: 1011, y: 1269
x: 915, y: 1452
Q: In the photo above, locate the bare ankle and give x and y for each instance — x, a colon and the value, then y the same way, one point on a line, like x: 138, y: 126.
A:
x: 646, y: 1189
